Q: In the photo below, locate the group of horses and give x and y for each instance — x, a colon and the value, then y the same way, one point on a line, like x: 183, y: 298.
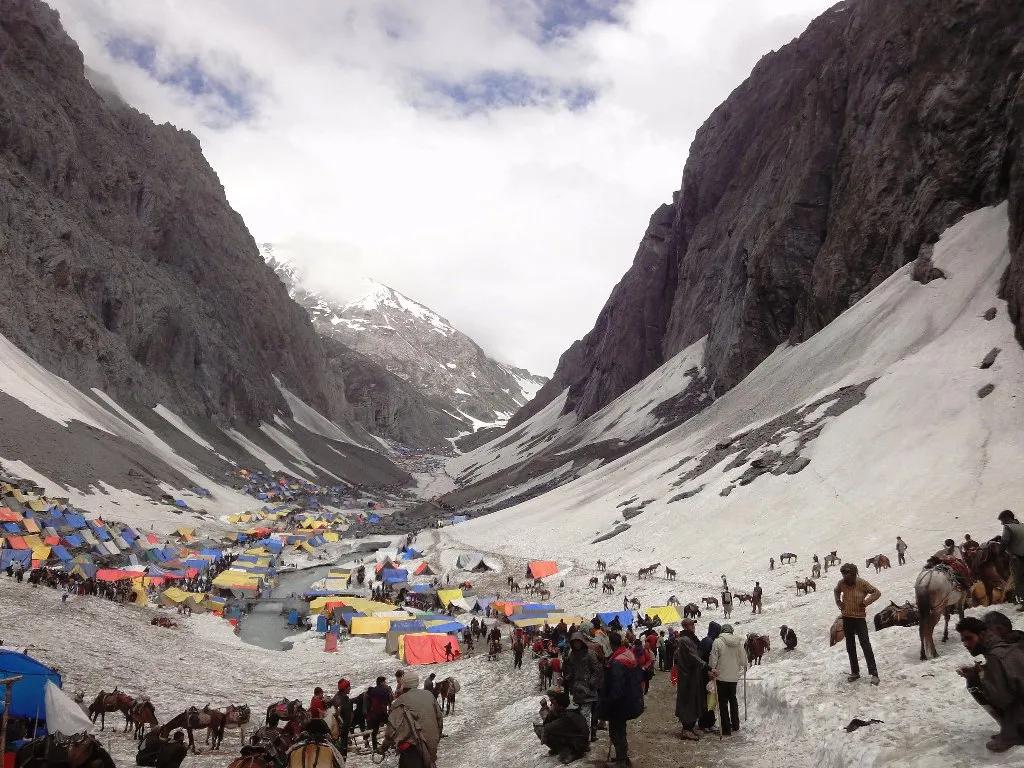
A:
x: 535, y: 587
x: 139, y: 713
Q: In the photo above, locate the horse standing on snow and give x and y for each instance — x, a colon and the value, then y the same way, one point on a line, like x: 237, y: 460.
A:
x: 938, y: 594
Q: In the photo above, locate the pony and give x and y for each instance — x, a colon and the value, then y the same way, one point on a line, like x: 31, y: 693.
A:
x: 673, y: 600
x: 896, y: 616
x: 805, y: 585
x: 143, y: 713
x: 787, y: 557
x: 938, y: 594
x: 756, y: 646
x: 236, y: 716
x: 990, y: 565
x: 602, y: 565
x: 594, y: 582
x: 832, y: 559
x: 709, y: 602
x: 195, y: 719
x: 115, y: 701
x: 669, y: 573
x: 82, y: 751
x: 691, y: 611
x: 878, y: 562
x: 446, y: 691
x: 816, y: 570
x: 607, y: 587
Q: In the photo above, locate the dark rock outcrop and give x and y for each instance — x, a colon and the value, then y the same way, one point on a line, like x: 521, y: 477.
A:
x: 124, y: 266
x: 840, y: 159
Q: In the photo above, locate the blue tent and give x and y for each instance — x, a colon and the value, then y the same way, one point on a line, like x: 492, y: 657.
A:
x: 28, y: 697
x: 61, y: 553
x: 394, y: 575
x: 8, y: 556
x: 74, y: 540
x: 444, y: 629
x: 374, y: 519
x: 181, y: 503
x: 535, y: 607
x: 321, y: 623
x: 75, y: 521
x: 408, y: 625
x: 411, y: 554
x: 198, y: 562
x: 625, y: 617
x: 459, y: 519
x: 274, y: 545
x: 216, y: 554
x: 421, y: 589
x: 293, y: 617
x: 129, y: 535
x: 13, y: 528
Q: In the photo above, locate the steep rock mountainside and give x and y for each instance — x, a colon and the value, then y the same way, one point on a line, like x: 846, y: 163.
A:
x: 840, y: 159
x: 390, y: 407
x: 124, y: 266
x: 418, y: 346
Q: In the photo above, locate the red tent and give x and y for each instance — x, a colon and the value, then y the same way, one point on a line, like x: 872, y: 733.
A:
x: 9, y: 515
x: 114, y: 574
x: 52, y: 541
x: 16, y: 542
x: 423, y: 569
x: 429, y: 648
x: 538, y: 569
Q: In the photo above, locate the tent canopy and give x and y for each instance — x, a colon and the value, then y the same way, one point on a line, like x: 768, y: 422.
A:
x: 427, y: 648
x: 667, y: 613
x: 395, y: 576
x: 29, y: 694
x: 625, y: 617
x: 447, y: 595
x: 539, y: 569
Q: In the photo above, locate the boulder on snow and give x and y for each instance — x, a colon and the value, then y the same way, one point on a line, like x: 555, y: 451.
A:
x: 990, y: 314
x: 986, y: 391
x: 990, y: 358
x: 797, y: 465
x: 924, y: 271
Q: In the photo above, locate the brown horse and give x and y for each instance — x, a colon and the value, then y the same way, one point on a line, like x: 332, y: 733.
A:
x: 896, y: 616
x: 806, y: 585
x: 255, y: 759
x: 878, y: 562
x: 691, y: 611
x: 115, y: 701
x: 938, y: 594
x: 195, y: 719
x: 756, y: 646
x: 445, y: 691
x: 82, y: 751
x: 990, y: 565
x: 143, y: 713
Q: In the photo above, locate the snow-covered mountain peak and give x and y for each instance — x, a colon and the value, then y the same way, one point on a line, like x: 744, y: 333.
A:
x: 381, y: 298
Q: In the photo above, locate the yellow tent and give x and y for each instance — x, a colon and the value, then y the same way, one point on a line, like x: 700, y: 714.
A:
x: 30, y: 525
x: 307, y: 548
x: 33, y: 541
x: 186, y: 531
x: 667, y: 613
x: 554, y: 618
x: 370, y: 625
x: 539, y: 622
x: 42, y: 553
x: 38, y: 505
x: 257, y: 551
x: 174, y: 595
x: 331, y: 536
x: 363, y: 605
x: 231, y: 578
x: 336, y: 583
x: 447, y: 595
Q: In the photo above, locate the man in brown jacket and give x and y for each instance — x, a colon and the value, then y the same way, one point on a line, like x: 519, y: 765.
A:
x: 414, y: 725
x: 853, y: 596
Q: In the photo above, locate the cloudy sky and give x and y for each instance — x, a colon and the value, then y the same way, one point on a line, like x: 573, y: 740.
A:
x: 496, y: 160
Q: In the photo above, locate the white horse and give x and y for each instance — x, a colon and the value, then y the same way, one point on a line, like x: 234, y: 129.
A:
x: 937, y: 596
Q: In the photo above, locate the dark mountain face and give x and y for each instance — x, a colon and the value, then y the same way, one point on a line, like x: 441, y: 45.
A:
x: 124, y: 266
x: 841, y: 158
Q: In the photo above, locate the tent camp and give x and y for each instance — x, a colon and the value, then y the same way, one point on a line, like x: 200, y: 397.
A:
x: 424, y: 569
x: 426, y: 648
x: 624, y: 618
x: 394, y: 576
x: 539, y: 569
x: 476, y: 562
x: 447, y: 595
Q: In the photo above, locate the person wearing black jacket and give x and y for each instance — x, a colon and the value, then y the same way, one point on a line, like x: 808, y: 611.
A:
x: 564, y: 731
x: 707, y: 720
x: 622, y: 696
x: 343, y: 713
x: 172, y: 753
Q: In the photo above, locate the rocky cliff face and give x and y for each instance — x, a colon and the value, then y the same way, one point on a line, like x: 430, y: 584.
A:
x: 461, y: 387
x: 124, y: 266
x: 840, y: 159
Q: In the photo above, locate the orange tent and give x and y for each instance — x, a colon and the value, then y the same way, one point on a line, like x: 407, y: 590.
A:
x: 538, y: 569
x: 505, y: 607
x: 114, y: 574
x: 16, y: 542
x: 429, y: 648
x: 9, y: 516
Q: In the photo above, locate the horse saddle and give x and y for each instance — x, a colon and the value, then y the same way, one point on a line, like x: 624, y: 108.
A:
x: 956, y: 568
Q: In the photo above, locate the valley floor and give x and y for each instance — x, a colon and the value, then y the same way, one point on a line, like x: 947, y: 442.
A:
x: 798, y: 702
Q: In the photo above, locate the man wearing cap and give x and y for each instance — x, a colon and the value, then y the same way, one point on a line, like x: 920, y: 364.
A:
x: 853, y: 595
x: 343, y: 713
x: 415, y: 725
x: 1012, y: 540
x: 564, y: 731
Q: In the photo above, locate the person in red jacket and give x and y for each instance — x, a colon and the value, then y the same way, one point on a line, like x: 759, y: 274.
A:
x: 317, y: 707
x: 645, y: 661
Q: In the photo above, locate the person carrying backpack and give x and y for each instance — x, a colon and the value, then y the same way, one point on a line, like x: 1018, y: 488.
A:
x: 621, y: 698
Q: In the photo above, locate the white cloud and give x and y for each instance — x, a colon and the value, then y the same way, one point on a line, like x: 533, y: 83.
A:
x: 514, y: 222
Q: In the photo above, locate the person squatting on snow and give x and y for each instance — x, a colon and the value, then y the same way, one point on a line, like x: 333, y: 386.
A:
x: 622, y: 697
x: 564, y: 731
x: 414, y: 725
x: 728, y: 663
x: 1012, y: 540
x: 582, y: 674
x: 998, y: 686
x: 689, y: 677
x: 853, y: 595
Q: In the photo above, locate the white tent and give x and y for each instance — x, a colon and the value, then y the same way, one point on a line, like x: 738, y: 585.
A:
x: 63, y: 715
